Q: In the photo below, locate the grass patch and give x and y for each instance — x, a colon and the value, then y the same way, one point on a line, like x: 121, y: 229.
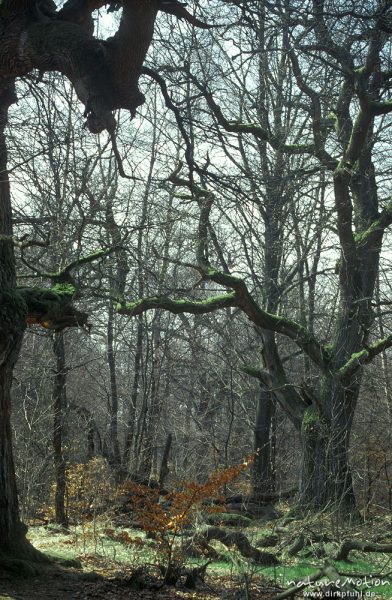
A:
x: 104, y: 549
x: 283, y: 573
x: 86, y: 544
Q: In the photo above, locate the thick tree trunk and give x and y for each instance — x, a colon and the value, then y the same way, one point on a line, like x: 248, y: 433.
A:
x: 12, y: 532
x: 326, y: 480
x: 12, y: 321
x: 326, y: 474
x: 104, y: 74
x: 13, y: 542
x: 59, y: 406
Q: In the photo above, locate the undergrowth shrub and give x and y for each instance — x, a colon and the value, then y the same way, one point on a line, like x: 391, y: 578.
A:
x: 170, y: 519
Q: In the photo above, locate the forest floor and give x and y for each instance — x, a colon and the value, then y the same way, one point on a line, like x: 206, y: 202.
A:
x: 59, y: 583
x: 98, y: 561
x: 69, y: 584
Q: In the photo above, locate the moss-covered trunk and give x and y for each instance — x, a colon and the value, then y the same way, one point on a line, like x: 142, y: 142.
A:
x: 326, y: 480
x: 326, y: 427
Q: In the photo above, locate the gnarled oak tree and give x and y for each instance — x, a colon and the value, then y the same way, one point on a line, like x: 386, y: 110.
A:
x: 34, y: 35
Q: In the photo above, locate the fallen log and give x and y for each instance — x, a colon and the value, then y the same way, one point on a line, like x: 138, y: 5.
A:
x: 298, y: 545
x: 268, y: 540
x: 239, y: 541
x: 349, y: 545
x: 304, y: 540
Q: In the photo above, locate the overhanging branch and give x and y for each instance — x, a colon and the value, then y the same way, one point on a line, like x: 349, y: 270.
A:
x: 244, y: 299
x: 278, y: 323
x: 64, y: 274
x: 195, y: 307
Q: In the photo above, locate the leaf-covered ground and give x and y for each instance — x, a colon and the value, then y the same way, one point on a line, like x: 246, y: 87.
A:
x: 56, y: 583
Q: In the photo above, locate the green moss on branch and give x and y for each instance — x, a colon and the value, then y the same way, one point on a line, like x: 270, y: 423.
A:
x: 364, y: 356
x: 177, y: 306
x: 52, y: 307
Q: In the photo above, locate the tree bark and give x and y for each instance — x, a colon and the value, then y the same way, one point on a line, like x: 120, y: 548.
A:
x: 130, y: 434
x: 12, y: 323
x: 115, y: 457
x: 104, y: 73
x: 59, y: 406
x: 263, y: 476
x: 239, y: 540
x: 12, y: 532
x: 349, y: 545
x: 147, y: 467
x: 326, y: 480
x: 164, y: 470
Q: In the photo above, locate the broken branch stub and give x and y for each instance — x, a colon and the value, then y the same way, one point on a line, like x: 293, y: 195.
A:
x: 104, y: 73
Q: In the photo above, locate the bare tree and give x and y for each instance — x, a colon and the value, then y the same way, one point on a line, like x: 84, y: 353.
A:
x: 341, y: 82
